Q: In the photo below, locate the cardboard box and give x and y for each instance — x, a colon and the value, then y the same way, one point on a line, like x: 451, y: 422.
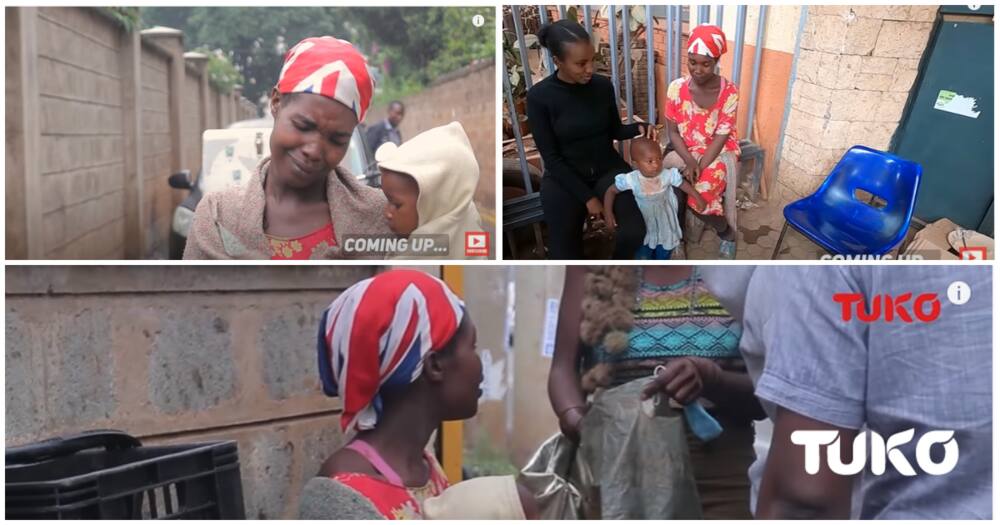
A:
x: 932, y: 241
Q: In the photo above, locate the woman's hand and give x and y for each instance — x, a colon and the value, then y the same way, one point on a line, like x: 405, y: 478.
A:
x: 594, y: 207
x: 691, y: 171
x: 570, y: 421
x: 684, y: 379
x: 699, y: 203
x: 651, y: 132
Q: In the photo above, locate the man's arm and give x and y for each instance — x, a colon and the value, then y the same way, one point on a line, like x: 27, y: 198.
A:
x: 787, y: 490
x: 816, y: 374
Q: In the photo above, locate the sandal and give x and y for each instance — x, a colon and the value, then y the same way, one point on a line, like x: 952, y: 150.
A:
x: 727, y: 250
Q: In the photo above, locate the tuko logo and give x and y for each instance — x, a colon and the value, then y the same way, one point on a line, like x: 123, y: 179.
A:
x: 926, y: 307
x: 882, y: 451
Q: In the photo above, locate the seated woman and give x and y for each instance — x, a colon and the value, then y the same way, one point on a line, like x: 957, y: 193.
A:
x: 701, y: 123
x: 400, y: 352
x: 575, y: 122
x: 299, y: 202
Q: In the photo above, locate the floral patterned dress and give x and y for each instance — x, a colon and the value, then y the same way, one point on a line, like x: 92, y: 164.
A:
x: 301, y: 248
x: 397, y: 502
x: 698, y: 126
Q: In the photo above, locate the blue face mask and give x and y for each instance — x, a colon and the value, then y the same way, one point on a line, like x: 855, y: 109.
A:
x: 702, y: 423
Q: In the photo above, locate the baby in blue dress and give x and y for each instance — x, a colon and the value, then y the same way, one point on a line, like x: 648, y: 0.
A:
x: 653, y: 188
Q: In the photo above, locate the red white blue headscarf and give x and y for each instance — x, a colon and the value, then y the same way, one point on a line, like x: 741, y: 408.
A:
x: 707, y: 40
x: 375, y: 335
x: 330, y: 67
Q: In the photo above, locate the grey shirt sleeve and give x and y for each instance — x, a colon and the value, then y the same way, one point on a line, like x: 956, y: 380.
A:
x: 729, y: 285
x: 816, y: 364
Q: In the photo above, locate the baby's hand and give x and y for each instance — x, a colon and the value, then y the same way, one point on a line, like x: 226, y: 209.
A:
x: 609, y: 220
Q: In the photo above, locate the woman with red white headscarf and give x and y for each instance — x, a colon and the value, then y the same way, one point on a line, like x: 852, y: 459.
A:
x: 299, y: 203
x: 701, y: 122
x: 399, y: 350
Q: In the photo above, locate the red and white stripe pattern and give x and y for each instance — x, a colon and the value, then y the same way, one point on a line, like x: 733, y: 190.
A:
x: 376, y: 334
x: 330, y: 67
x: 707, y: 40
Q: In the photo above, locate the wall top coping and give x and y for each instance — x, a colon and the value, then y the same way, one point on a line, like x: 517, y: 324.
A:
x: 477, y: 65
x: 161, y: 31
x: 151, y: 41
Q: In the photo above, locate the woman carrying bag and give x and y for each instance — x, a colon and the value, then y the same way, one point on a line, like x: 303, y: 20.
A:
x: 654, y: 445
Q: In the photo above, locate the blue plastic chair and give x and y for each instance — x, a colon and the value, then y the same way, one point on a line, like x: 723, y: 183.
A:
x: 835, y: 219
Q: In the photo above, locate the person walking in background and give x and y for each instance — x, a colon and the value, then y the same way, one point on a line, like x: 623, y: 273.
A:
x: 386, y: 130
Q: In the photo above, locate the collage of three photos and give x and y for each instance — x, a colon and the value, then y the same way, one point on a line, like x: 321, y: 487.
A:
x: 432, y: 307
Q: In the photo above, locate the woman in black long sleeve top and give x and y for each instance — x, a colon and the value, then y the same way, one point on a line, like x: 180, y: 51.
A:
x: 574, y: 119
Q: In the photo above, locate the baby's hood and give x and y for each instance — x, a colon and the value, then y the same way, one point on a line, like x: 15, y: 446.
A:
x: 445, y: 168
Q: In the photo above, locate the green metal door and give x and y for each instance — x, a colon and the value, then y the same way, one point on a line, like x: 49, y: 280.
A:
x: 949, y: 125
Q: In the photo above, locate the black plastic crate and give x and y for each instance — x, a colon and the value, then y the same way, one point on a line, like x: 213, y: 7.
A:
x: 65, y: 478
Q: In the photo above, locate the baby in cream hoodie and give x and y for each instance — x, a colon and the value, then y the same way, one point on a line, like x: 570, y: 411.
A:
x: 429, y: 182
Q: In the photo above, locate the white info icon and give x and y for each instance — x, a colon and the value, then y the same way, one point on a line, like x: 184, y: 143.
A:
x: 959, y: 293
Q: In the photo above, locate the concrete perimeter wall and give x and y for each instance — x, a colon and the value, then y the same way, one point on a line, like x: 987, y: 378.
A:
x: 179, y: 355
x: 98, y: 118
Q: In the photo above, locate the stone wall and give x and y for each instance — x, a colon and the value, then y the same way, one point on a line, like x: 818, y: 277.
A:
x: 856, y: 68
x: 179, y: 354
x: 94, y: 128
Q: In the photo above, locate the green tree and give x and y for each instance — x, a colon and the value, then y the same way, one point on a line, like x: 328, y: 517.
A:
x: 221, y: 72
x: 464, y: 42
x: 254, y: 39
x: 175, y: 17
x: 415, y: 45
x: 424, y: 42
x: 409, y: 46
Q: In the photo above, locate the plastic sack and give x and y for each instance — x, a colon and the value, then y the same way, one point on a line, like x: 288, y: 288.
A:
x: 638, y: 455
x: 560, y: 481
